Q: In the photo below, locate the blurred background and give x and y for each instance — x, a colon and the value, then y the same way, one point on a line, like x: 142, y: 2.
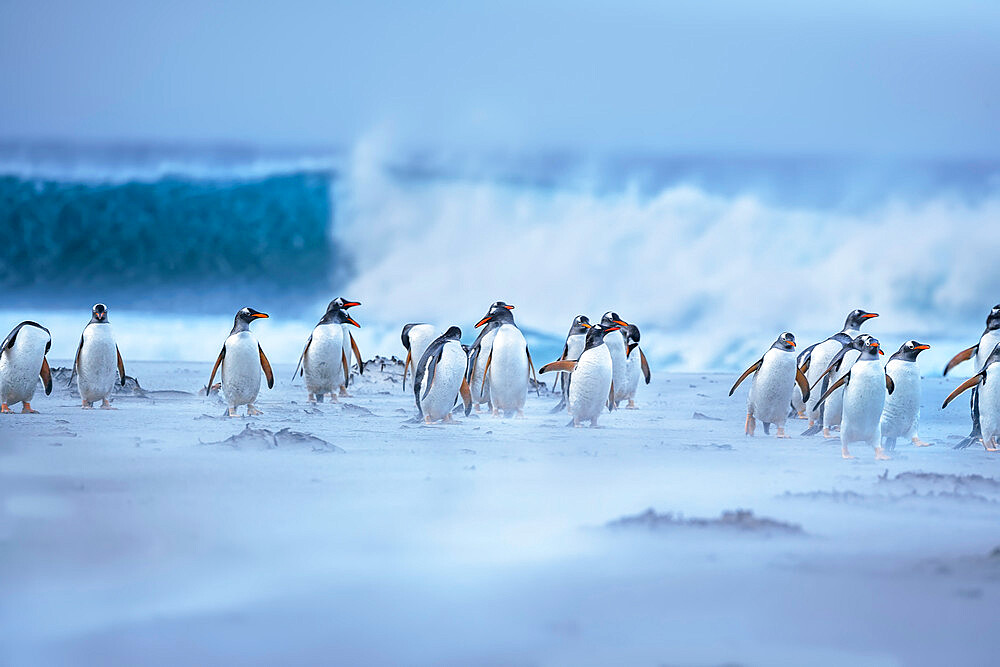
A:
x: 715, y: 172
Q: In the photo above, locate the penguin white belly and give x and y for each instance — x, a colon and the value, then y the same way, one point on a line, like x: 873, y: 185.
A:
x: 481, y: 394
x: 633, y: 369
x: 591, y: 386
x: 323, y: 366
x: 448, y: 374
x: 902, y: 407
x: 241, y: 369
x: 986, y: 345
x: 616, y: 347
x: 864, y: 399
x: 772, y: 387
x: 989, y: 404
x: 820, y: 358
x: 97, y: 368
x: 508, y: 380
x: 20, y: 365
x: 833, y: 412
x: 421, y: 336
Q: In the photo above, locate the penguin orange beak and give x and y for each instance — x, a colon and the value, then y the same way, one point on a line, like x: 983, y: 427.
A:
x: 509, y: 307
x: 869, y: 315
x: 483, y: 321
x: 921, y: 347
x: 612, y: 328
x: 624, y: 324
x: 350, y: 320
x: 351, y: 304
x: 260, y: 315
x: 585, y: 325
x: 792, y: 343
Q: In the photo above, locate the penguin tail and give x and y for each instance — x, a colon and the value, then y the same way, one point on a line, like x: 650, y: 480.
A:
x: 814, y: 429
x: 767, y: 428
x: 967, y: 442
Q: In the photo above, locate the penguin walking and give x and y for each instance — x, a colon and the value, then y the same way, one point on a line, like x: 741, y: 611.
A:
x: 324, y: 361
x: 572, y: 349
x: 817, y: 360
x: 635, y: 365
x: 97, y: 361
x: 415, y: 337
x: 978, y: 353
x: 987, y: 408
x: 776, y: 375
x: 349, y: 344
x: 505, y: 376
x: 479, y: 353
x: 439, y: 378
x: 901, y: 414
x: 241, y: 361
x: 22, y: 362
x: 865, y: 387
x: 840, y: 365
x: 591, y: 389
x: 614, y: 338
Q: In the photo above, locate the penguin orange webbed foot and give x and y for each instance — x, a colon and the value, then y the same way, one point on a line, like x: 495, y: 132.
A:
x: 920, y: 443
x: 343, y: 392
x: 232, y: 413
x: 631, y: 405
x: 801, y: 415
x: 5, y: 409
x: 105, y: 405
x: 880, y: 455
x: 26, y: 409
x: 312, y: 398
x: 781, y: 434
x: 252, y: 411
x: 844, y: 454
x: 828, y: 435
x: 87, y: 406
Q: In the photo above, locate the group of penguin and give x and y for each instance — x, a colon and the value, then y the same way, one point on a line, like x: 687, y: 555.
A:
x: 599, y: 368
x: 843, y: 385
x: 600, y: 365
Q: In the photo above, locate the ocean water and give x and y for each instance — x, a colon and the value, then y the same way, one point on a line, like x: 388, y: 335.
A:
x: 713, y: 256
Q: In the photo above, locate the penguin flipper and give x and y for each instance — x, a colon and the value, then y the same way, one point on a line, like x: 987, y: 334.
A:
x: 406, y: 367
x: 889, y: 384
x: 76, y: 362
x: 968, y: 384
x: 431, y: 367
x: 266, y: 365
x: 834, y: 365
x: 486, y: 372
x: 803, y: 383
x: 747, y: 372
x: 347, y: 368
x: 531, y: 366
x: 563, y: 365
x: 357, y: 355
x: 836, y: 385
x: 121, y: 366
x: 466, y: 393
x: 964, y: 355
x: 46, y: 376
x: 644, y: 365
x: 218, y: 362
x: 611, y: 397
x: 302, y: 358
x: 805, y: 357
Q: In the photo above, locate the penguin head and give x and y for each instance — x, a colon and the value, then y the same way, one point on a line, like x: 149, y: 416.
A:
x: 581, y: 323
x: 248, y: 315
x: 596, y: 333
x: 631, y: 333
x: 99, y: 314
x: 611, y: 318
x: 453, y: 333
x: 993, y: 319
x: 500, y: 304
x: 870, y: 349
x: 786, y: 341
x: 857, y: 318
x: 499, y: 313
x: 859, y: 342
x: 341, y: 302
x: 909, y: 350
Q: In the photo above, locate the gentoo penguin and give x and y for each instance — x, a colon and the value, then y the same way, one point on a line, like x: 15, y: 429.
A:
x: 505, y: 376
x: 22, y: 362
x: 817, y: 358
x: 865, y: 386
x: 840, y: 365
x: 775, y: 376
x: 987, y: 380
x: 901, y: 414
x: 591, y: 390
x: 978, y: 353
x: 242, y: 359
x: 480, y: 352
x: 416, y: 337
x: 325, y: 358
x: 97, y: 361
x: 614, y: 338
x: 635, y: 365
x: 348, y: 344
x: 439, y: 377
x: 571, y: 352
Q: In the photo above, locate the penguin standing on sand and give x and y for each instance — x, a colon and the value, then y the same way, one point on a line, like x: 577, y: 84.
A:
x: 818, y: 357
x: 241, y: 360
x: 97, y: 361
x: 439, y: 378
x: 415, y: 337
x: 505, y: 376
x: 987, y: 408
x: 324, y: 360
x: 776, y: 375
x: 901, y: 414
x: 832, y: 409
x: 635, y: 365
x: 978, y: 353
x: 572, y: 350
x: 22, y: 362
x: 865, y: 387
x: 349, y: 344
x: 479, y: 352
x: 614, y: 338
x: 591, y: 389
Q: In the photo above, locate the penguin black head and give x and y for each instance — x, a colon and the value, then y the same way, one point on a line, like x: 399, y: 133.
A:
x: 338, y: 316
x: 501, y: 304
x: 909, y: 350
x: 99, y: 314
x: 341, y: 302
x: 870, y: 349
x: 453, y: 333
x: 857, y: 318
x: 786, y: 341
x: 993, y: 319
x: 631, y: 334
x: 859, y: 342
x: 244, y: 317
x: 580, y: 325
x: 499, y: 313
x: 611, y: 319
x: 596, y: 333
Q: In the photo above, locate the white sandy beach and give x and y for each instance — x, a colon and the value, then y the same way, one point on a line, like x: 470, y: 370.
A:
x: 126, y: 537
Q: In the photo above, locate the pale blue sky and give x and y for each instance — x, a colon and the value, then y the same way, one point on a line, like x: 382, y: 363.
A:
x: 906, y: 78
